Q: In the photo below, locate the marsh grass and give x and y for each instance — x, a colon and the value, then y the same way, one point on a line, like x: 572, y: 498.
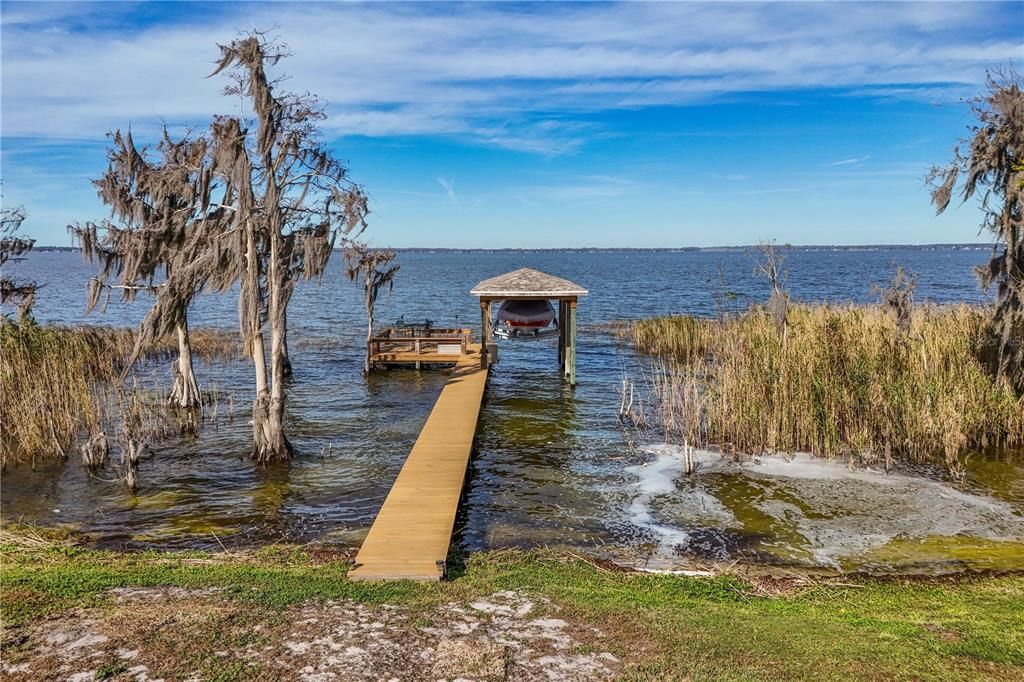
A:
x: 840, y: 380
x: 59, y: 385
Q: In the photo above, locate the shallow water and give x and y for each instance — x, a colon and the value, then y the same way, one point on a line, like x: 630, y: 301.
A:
x: 806, y: 510
x: 551, y: 466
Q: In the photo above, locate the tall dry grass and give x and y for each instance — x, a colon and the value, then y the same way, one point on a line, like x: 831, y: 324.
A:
x: 58, y: 385
x: 840, y: 379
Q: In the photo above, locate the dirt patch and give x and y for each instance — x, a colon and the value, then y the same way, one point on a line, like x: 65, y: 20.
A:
x: 173, y: 633
x: 505, y: 636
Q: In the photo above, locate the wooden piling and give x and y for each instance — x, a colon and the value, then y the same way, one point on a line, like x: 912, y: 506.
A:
x: 572, y: 343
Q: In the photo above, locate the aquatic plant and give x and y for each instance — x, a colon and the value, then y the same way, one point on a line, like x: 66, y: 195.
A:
x: 58, y: 385
x: 992, y: 167
x: 48, y: 378
x: 845, y: 381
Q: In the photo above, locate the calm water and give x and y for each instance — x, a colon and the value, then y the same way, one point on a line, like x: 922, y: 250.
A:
x: 551, y: 467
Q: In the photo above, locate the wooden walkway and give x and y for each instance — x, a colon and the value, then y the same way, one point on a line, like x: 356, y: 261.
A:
x: 409, y: 538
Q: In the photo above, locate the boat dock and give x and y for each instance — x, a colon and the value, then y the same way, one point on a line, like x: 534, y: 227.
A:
x: 409, y: 538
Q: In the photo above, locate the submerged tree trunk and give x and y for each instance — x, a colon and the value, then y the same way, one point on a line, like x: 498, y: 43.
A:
x: 263, y: 431
x: 185, y: 390
x: 286, y: 358
x: 271, y: 444
x: 130, y: 463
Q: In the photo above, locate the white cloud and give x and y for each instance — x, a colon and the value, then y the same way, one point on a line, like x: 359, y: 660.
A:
x: 849, y: 162
x: 497, y: 74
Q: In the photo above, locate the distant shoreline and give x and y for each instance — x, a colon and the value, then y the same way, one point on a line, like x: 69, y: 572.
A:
x: 976, y: 246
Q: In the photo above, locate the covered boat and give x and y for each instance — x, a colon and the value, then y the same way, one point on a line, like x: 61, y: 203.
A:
x: 525, y: 318
x: 528, y: 315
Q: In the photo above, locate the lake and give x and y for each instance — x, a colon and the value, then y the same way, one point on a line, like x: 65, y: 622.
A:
x: 551, y: 466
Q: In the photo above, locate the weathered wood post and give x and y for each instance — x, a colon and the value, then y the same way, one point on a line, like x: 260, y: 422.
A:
x: 485, y: 331
x: 572, y: 342
x: 561, y: 335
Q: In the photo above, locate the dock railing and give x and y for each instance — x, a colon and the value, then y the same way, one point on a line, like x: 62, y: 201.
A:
x: 419, y: 344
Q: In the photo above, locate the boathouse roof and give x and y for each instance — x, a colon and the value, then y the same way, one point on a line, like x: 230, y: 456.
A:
x: 527, y: 283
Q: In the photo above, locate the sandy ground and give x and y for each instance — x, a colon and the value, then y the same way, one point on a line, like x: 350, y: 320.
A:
x: 178, y: 634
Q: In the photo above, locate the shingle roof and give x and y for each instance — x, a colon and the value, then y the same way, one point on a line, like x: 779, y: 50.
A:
x: 526, y: 282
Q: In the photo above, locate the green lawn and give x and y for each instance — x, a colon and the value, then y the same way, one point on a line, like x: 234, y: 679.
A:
x: 662, y: 627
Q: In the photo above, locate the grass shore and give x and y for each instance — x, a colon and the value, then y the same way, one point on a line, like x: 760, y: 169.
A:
x: 262, y: 615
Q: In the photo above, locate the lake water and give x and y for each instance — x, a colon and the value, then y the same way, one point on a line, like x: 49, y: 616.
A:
x: 551, y: 467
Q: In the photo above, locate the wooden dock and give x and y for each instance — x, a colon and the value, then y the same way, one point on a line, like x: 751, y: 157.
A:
x: 409, y: 538
x: 412, y: 346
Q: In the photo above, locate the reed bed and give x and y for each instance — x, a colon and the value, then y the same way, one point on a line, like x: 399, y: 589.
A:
x: 59, y: 384
x: 208, y: 344
x: 838, y: 380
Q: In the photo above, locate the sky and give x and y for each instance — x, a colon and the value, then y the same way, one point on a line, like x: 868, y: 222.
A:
x: 539, y: 125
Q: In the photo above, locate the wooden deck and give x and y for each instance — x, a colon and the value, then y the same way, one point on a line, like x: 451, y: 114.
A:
x: 418, y: 347
x: 409, y: 538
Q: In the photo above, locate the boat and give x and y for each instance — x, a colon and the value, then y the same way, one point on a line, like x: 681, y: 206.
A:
x: 525, y: 318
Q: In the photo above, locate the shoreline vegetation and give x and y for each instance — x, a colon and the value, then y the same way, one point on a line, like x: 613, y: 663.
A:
x: 846, y: 381
x: 838, y: 381
x: 60, y: 385
x: 260, y: 614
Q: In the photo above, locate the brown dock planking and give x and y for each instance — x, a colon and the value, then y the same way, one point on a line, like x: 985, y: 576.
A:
x: 409, y: 539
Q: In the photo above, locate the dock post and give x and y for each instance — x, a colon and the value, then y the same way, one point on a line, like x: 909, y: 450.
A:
x: 485, y: 331
x: 572, y: 343
x: 568, y: 341
x: 561, y: 336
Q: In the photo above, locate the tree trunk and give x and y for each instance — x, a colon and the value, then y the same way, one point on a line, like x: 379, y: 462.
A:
x: 271, y: 443
x: 130, y: 463
x: 249, y: 303
x: 185, y: 390
x: 286, y: 356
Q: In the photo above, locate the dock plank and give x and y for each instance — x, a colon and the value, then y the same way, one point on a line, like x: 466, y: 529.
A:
x: 409, y: 539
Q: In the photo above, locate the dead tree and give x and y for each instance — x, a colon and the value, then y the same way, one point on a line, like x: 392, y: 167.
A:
x: 375, y: 270
x: 990, y: 164
x: 13, y: 248
x: 897, y: 299
x: 770, y: 265
x: 162, y: 226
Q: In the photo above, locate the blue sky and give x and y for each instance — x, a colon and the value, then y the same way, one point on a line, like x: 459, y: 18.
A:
x: 541, y: 125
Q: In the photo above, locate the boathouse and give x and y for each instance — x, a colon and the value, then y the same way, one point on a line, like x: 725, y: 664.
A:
x: 527, y: 284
